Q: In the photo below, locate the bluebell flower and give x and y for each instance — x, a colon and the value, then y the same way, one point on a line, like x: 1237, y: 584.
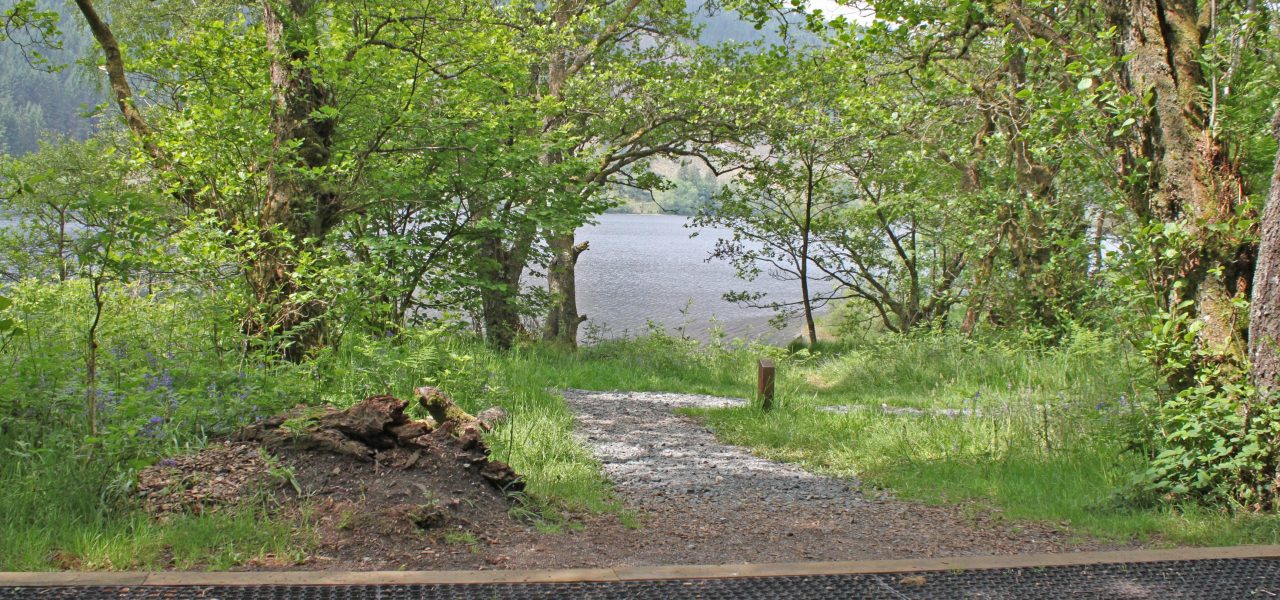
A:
x: 149, y: 430
x: 168, y: 462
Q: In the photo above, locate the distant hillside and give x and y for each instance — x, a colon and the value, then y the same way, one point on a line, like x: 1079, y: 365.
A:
x: 720, y: 26
x: 34, y: 102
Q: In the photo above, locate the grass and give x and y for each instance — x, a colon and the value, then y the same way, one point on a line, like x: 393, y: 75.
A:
x: 67, y: 504
x: 59, y: 514
x: 463, y: 538
x: 1047, y: 441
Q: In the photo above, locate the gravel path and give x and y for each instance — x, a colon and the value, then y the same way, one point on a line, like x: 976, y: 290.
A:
x: 657, y: 457
x: 703, y: 502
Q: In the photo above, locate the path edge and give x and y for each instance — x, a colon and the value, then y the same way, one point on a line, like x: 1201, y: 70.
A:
x: 622, y: 574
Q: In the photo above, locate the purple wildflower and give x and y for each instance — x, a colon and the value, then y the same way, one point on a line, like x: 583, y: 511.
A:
x: 150, y: 429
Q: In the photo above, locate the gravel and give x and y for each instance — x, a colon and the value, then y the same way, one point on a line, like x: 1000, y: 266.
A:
x: 902, y: 411
x: 655, y: 456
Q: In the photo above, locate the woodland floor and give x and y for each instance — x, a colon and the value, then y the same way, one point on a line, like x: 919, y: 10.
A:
x: 695, y: 501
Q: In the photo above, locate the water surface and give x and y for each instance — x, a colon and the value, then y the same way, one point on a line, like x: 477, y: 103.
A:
x: 646, y: 268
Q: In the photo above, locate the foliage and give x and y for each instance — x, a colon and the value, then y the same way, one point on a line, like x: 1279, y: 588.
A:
x: 1214, y: 446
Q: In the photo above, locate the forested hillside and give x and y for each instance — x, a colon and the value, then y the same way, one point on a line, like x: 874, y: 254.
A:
x: 46, y: 90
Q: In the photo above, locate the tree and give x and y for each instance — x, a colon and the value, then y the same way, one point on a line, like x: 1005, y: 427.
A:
x: 1264, y: 311
x: 611, y: 84
x: 285, y: 196
x: 789, y: 186
x: 1181, y: 171
x: 44, y: 202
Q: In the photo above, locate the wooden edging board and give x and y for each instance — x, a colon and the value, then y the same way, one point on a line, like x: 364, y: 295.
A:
x: 619, y: 574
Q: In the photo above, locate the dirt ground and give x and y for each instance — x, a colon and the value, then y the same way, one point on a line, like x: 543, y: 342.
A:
x: 425, y: 504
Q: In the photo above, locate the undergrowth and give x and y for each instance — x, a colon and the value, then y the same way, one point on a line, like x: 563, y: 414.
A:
x: 1038, y: 434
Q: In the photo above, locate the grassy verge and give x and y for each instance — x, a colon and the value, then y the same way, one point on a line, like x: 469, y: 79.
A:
x: 1038, y: 435
x: 65, y: 498
x: 1042, y: 434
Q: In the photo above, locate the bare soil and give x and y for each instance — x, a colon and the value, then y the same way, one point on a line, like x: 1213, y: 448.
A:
x: 427, y: 503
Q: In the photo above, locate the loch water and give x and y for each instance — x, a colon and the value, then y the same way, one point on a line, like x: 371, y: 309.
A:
x: 648, y: 269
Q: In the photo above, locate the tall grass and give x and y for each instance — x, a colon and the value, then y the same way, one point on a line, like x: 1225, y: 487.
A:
x: 1037, y: 434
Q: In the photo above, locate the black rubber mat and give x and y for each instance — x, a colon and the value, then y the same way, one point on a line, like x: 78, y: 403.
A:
x: 1228, y: 579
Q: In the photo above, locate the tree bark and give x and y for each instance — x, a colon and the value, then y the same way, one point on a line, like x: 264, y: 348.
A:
x: 1264, y: 313
x: 120, y: 88
x: 805, y: 231
x: 562, y: 323
x: 1189, y: 180
x: 298, y: 201
x: 563, y: 319
x: 501, y: 268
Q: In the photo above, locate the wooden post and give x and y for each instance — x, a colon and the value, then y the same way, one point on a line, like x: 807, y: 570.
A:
x: 764, y: 382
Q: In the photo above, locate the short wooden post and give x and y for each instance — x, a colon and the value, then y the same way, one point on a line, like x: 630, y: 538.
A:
x: 764, y: 382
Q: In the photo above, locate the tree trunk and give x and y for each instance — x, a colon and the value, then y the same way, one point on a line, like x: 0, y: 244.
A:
x: 805, y: 231
x: 501, y: 269
x: 970, y: 183
x: 1264, y: 313
x: 298, y: 201
x: 1189, y: 180
x: 120, y: 88
x: 563, y: 319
